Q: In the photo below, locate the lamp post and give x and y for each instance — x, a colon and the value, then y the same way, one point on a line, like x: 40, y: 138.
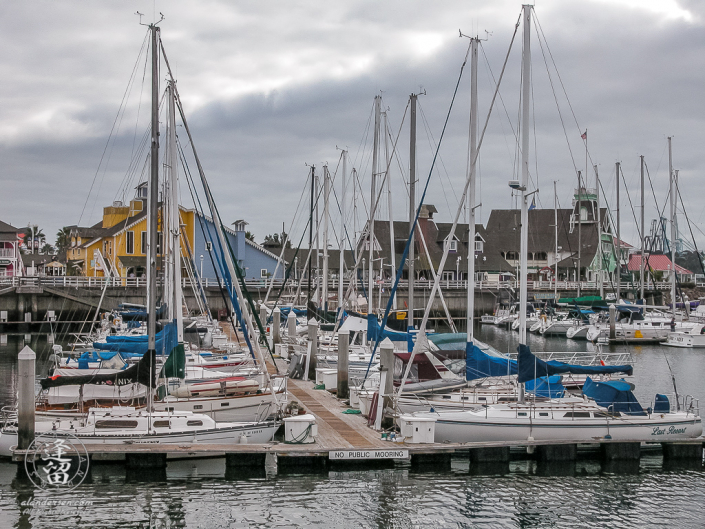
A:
x: 201, y: 267
x: 457, y: 268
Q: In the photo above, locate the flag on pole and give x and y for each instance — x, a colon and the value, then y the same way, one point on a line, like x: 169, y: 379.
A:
x: 533, y: 204
x: 584, y: 135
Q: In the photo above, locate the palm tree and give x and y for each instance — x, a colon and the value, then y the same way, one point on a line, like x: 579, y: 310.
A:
x: 63, y: 239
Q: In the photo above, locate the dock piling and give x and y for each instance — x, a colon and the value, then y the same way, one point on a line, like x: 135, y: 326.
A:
x: 276, y: 325
x: 291, y: 326
x: 25, y: 406
x: 343, y: 363
x: 620, y: 451
x: 312, y: 355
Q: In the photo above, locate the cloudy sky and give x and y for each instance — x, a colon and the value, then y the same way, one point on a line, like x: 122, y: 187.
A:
x: 270, y: 86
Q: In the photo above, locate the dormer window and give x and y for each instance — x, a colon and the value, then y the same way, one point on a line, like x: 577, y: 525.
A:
x: 451, y: 244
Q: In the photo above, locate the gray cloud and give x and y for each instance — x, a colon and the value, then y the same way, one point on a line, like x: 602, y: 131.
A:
x: 271, y: 86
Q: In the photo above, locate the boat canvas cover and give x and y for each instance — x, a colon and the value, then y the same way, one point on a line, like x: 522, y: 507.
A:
x: 530, y: 367
x: 375, y: 332
x: 479, y: 364
x: 613, y: 394
x: 547, y: 387
x: 142, y: 372
x: 166, y: 341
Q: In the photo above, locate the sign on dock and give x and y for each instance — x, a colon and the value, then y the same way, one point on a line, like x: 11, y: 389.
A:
x: 368, y: 454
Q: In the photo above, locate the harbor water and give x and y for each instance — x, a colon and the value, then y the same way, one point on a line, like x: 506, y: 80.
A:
x: 521, y: 494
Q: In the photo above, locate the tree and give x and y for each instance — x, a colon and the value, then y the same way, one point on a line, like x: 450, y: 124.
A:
x: 250, y: 236
x: 47, y: 249
x: 39, y: 238
x: 691, y: 261
x: 276, y: 239
x: 63, y: 239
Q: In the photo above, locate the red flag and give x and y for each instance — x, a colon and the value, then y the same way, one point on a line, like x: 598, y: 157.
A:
x: 584, y: 135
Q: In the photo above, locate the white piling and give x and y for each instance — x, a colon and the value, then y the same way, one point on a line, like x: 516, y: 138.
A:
x: 343, y: 363
x: 25, y: 405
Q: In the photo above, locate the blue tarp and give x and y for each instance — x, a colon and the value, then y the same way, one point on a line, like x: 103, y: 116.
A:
x: 479, y: 364
x: 166, y: 341
x: 376, y: 334
x: 531, y: 367
x: 613, y: 394
x: 548, y: 387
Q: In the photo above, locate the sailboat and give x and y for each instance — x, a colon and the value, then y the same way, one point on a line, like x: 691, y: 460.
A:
x: 118, y: 424
x: 606, y: 409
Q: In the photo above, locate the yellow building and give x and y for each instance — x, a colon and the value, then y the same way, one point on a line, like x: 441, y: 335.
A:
x: 120, y: 240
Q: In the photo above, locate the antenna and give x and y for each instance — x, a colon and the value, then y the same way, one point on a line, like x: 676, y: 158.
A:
x: 487, y: 36
x: 154, y: 24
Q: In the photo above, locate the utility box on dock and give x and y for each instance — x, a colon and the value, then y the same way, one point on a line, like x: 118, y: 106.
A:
x: 328, y: 377
x: 300, y: 429
x: 417, y: 430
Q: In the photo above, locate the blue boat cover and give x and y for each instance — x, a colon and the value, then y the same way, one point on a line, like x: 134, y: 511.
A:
x: 376, y: 334
x: 166, y: 341
x: 613, y: 394
x: 548, y: 387
x: 479, y: 364
x: 530, y: 367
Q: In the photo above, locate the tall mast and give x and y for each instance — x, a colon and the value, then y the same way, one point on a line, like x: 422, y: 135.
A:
x: 341, y: 261
x: 318, y: 243
x: 580, y: 223
x: 412, y: 207
x: 310, y: 230
x: 641, y: 265
x: 524, y: 239
x: 471, y: 195
x: 326, y: 219
x: 388, y: 164
x: 619, y: 235
x: 373, y: 197
x: 555, y: 234
x: 174, y: 219
x: 153, y: 196
x: 599, y: 236
x: 672, y: 183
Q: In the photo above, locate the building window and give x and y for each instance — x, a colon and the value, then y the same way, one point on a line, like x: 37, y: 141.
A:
x: 143, y: 242
x: 209, y: 246
x: 512, y: 256
x: 160, y: 241
x: 452, y: 245
x: 540, y: 256
x: 448, y: 276
x: 479, y: 246
x: 130, y: 243
x: 263, y: 273
x: 583, y: 213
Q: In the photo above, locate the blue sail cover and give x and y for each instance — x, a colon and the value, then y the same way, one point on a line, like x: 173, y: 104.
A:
x: 375, y: 333
x: 531, y: 367
x: 613, y: 394
x: 166, y: 341
x: 547, y: 387
x: 479, y: 364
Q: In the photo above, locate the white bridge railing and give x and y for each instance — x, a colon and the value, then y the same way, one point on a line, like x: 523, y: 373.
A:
x: 141, y: 282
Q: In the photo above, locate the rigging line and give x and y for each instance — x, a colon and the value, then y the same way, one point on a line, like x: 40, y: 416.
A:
x: 555, y: 99
x: 501, y: 99
x: 631, y: 206
x: 201, y: 218
x: 692, y: 236
x: 422, y: 329
x: 432, y: 144
x: 536, y: 150
x: 363, y: 140
x: 107, y: 143
x: 540, y: 32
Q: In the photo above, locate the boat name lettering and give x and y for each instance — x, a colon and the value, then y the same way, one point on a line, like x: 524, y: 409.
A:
x: 672, y: 430
x: 369, y: 454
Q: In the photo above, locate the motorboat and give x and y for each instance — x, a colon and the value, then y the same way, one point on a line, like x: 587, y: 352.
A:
x: 695, y: 337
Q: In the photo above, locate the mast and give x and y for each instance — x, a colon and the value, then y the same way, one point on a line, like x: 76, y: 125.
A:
x: 373, y: 196
x: 641, y: 265
x: 152, y: 212
x: 555, y: 233
x: 471, y: 195
x: 580, y: 223
x: 174, y: 219
x: 412, y: 208
x: 524, y: 239
x: 619, y: 240
x: 310, y: 230
x: 341, y: 261
x: 388, y: 164
x: 318, y: 243
x: 672, y: 183
x: 326, y: 219
x: 600, y: 279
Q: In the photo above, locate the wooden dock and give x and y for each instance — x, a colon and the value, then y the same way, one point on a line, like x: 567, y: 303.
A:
x: 343, y: 433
